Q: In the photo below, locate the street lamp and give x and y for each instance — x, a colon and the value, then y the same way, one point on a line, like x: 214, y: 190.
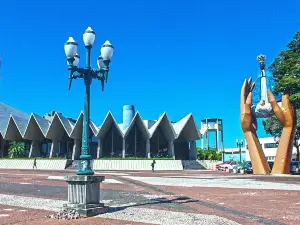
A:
x: 87, y: 74
x: 276, y: 139
x: 239, y: 144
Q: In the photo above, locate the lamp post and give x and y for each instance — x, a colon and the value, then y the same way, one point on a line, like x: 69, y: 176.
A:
x: 276, y: 139
x: 87, y: 74
x: 239, y: 144
x: 84, y: 189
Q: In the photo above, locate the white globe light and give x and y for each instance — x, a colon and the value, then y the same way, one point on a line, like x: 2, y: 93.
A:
x: 89, y: 37
x: 71, y: 48
x: 100, y: 62
x: 76, y: 60
x: 107, y: 51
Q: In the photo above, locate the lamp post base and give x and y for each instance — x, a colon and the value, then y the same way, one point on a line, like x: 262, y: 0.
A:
x: 87, y: 172
x: 84, y: 195
x: 85, y: 166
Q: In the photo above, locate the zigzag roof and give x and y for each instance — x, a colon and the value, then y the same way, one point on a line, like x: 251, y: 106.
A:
x: 12, y: 131
x: 20, y: 118
x: 187, y: 126
x: 77, y: 128
x: 42, y: 122
x: 36, y: 128
x: 58, y: 126
x: 109, y: 120
x: 166, y: 126
x: 15, y: 125
x: 77, y: 132
x: 140, y: 123
x: 67, y: 124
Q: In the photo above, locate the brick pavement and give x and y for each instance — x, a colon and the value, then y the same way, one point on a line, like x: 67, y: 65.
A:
x: 19, y: 216
x: 15, y: 215
x: 245, y: 206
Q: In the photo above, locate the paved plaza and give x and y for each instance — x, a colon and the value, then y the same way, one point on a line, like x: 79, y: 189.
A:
x: 179, y: 197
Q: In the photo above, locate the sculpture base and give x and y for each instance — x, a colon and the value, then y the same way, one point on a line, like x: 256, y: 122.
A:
x: 84, y: 195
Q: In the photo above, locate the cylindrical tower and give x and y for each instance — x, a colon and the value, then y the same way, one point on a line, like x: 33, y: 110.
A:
x: 128, y: 114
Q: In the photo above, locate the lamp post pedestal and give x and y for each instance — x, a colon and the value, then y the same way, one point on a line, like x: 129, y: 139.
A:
x: 84, y: 195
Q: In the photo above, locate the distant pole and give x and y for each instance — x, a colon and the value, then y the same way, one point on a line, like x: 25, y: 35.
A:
x: 239, y: 144
x: 207, y: 137
x: 0, y: 66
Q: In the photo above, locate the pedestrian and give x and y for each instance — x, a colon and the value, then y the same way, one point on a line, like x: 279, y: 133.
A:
x: 152, y: 165
x: 34, y: 164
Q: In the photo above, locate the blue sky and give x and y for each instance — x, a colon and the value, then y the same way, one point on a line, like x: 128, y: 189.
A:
x: 174, y: 56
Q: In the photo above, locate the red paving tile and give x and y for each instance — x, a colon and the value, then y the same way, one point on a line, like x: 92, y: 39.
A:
x: 18, y: 215
x: 106, y: 186
x: 85, y: 221
x: 277, y: 205
x: 270, y: 204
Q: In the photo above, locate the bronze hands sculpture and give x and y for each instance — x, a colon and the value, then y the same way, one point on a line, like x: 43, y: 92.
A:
x: 249, y: 127
x: 284, y: 114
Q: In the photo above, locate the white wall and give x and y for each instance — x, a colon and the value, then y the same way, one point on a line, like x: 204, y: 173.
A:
x: 270, y: 153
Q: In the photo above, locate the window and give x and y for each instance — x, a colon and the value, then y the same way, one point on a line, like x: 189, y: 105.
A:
x: 270, y: 145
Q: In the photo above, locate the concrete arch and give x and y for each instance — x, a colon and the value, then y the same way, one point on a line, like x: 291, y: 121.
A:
x: 12, y: 131
x: 59, y: 125
x: 137, y: 119
x: 7, y: 114
x: 59, y: 132
x: 161, y: 139
x: 136, y: 137
x: 107, y: 123
x: 94, y: 128
x: 77, y: 129
x: 42, y: 122
x: 166, y: 127
x: 186, y: 135
x: 110, y: 138
x: 36, y: 128
x: 187, y: 127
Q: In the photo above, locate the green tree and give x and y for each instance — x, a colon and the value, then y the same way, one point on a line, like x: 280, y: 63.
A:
x: 16, y: 150
x: 201, y: 154
x: 218, y: 156
x: 210, y: 154
x: 273, y: 126
x: 286, y: 72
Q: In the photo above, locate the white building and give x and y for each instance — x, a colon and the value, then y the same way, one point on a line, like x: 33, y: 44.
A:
x: 269, y: 147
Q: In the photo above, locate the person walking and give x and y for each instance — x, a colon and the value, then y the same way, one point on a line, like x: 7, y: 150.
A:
x: 34, y: 164
x: 152, y: 165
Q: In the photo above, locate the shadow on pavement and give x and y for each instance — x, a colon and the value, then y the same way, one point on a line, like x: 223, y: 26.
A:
x: 155, y: 201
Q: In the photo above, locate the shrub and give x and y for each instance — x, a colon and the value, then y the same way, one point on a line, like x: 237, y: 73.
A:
x: 16, y: 150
